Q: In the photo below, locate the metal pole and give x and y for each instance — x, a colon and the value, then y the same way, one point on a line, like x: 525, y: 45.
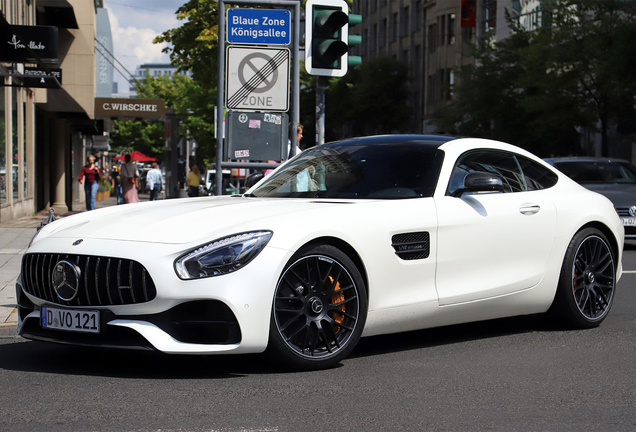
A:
x: 219, y: 99
x: 295, y: 80
x: 320, y: 109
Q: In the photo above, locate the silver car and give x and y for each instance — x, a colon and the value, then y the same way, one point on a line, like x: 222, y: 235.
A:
x: 614, y: 178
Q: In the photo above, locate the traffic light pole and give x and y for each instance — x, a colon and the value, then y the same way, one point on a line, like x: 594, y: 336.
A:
x: 321, y: 82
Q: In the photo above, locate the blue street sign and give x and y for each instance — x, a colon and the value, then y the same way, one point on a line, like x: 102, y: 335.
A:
x: 259, y: 26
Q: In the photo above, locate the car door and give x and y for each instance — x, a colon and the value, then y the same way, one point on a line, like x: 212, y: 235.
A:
x: 492, y: 244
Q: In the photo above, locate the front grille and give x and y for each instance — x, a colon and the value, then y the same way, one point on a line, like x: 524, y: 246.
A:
x: 623, y: 211
x: 412, y: 246
x: 103, y: 281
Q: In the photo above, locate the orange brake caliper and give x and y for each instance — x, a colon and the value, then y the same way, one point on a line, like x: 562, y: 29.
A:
x: 335, y: 299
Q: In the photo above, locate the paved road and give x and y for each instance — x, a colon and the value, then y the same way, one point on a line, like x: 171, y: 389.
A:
x: 516, y: 374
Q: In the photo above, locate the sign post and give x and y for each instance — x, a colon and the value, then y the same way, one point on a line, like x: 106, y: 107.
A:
x: 272, y: 28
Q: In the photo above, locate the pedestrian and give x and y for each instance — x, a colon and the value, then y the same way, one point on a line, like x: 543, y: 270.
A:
x: 92, y: 175
x: 154, y: 181
x: 129, y: 179
x: 299, y: 135
x: 116, y: 184
x: 304, y: 180
x: 193, y: 180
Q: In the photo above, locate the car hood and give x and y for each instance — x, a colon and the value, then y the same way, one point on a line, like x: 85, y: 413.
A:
x: 620, y: 194
x: 178, y: 221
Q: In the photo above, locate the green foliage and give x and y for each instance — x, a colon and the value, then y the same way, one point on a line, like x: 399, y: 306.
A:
x: 536, y: 88
x: 194, y: 105
x: 371, y: 99
x: 194, y: 45
x: 144, y: 136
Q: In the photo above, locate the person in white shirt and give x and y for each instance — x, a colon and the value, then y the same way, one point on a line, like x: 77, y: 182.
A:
x: 154, y: 181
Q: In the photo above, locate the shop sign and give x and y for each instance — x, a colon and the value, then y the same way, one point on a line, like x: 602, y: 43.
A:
x: 136, y: 108
x: 37, y: 77
x: 27, y: 44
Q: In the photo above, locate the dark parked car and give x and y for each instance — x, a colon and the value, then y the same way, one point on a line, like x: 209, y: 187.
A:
x: 614, y: 178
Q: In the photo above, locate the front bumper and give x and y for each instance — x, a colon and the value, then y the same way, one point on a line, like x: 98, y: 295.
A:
x: 222, y: 314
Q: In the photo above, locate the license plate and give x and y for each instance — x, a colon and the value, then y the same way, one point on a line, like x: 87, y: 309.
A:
x: 629, y: 221
x: 70, y: 320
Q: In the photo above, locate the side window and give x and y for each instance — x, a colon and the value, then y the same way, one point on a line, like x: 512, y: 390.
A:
x: 493, y: 161
x: 537, y: 176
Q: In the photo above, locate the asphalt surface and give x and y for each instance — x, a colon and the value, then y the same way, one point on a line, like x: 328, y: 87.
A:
x: 517, y: 374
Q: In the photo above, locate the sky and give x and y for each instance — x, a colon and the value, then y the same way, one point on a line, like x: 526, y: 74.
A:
x: 134, y: 24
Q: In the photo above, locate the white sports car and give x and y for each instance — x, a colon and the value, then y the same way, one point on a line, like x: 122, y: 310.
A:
x: 354, y: 238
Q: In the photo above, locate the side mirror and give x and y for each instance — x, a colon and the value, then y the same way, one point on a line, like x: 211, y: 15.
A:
x: 480, y: 182
x: 252, y: 179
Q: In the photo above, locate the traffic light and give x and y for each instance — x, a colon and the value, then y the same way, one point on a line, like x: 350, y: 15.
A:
x: 327, y: 37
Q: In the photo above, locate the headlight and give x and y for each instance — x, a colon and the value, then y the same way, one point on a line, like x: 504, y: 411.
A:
x: 222, y: 256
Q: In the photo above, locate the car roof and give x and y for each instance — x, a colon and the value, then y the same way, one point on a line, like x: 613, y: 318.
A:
x: 569, y: 159
x: 433, y: 141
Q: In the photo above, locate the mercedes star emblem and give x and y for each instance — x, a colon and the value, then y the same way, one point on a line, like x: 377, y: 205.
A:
x: 65, y: 279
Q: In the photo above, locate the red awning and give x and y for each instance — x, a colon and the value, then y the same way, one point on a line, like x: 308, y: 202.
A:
x: 136, y: 156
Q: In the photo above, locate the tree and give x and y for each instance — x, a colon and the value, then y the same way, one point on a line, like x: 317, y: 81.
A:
x: 538, y: 88
x: 144, y: 136
x: 371, y: 99
x: 194, y: 48
x: 194, y: 45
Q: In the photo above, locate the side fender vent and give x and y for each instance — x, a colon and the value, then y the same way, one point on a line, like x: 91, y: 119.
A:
x: 412, y: 246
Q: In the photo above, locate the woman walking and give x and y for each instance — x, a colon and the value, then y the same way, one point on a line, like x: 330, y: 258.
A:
x: 129, y: 178
x: 91, y: 172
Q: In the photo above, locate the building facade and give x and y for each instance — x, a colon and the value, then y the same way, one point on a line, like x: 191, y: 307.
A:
x: 434, y: 38
x: 48, y: 123
x: 16, y: 126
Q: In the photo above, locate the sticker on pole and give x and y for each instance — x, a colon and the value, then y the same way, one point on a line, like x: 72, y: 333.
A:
x: 257, y: 79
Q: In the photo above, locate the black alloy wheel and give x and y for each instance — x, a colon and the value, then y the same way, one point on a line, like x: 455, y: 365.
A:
x: 320, y: 306
x: 588, y: 280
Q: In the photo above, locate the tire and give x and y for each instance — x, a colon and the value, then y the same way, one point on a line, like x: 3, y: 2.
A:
x: 587, y: 283
x: 319, y: 309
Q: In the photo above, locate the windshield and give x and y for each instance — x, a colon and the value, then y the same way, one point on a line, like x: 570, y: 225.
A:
x: 598, y: 171
x: 374, y: 171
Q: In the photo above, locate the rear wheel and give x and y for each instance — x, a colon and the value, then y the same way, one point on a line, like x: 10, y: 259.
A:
x: 319, y: 310
x: 588, y: 281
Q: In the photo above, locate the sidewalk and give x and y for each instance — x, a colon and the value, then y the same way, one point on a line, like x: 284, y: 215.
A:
x: 15, y: 237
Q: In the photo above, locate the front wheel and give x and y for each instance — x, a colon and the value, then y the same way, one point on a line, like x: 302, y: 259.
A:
x: 588, y: 280
x: 319, y: 310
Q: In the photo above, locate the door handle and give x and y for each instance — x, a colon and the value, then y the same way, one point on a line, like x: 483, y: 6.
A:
x: 530, y: 209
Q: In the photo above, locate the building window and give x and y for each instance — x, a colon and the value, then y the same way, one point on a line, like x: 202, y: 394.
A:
x: 395, y: 24
x: 490, y: 15
x: 404, y: 22
x: 383, y: 33
x: 417, y: 59
x: 430, y: 91
x: 451, y: 29
x: 417, y: 16
x: 442, y: 29
x: 374, y: 36
x: 365, y: 45
x: 432, y: 38
x: 3, y: 146
x: 467, y: 33
x: 16, y: 144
